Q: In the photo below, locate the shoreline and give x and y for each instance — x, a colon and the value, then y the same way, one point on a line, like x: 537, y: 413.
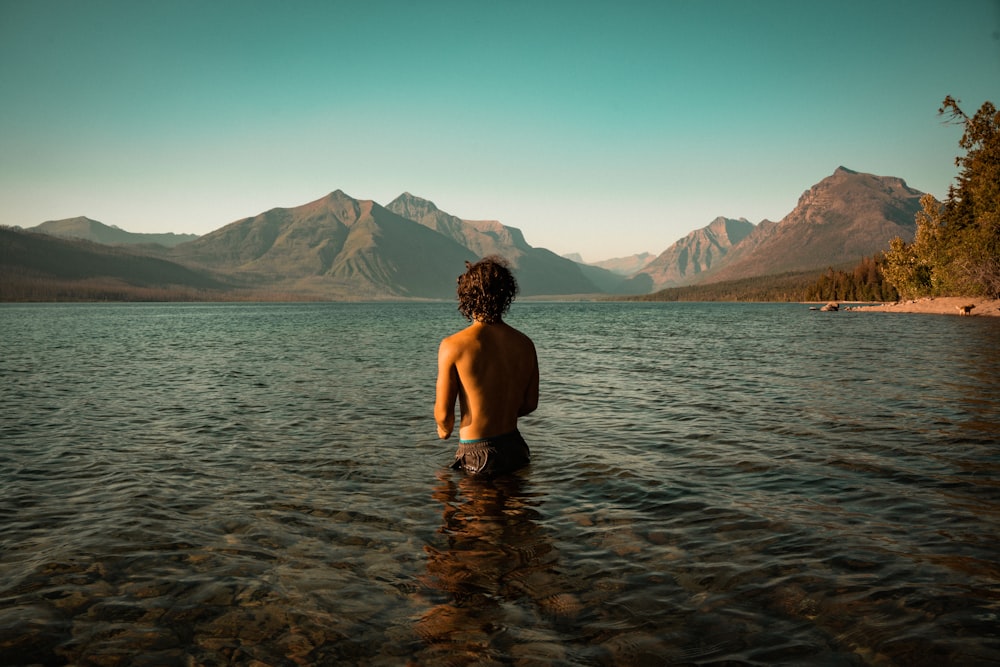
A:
x: 942, y: 305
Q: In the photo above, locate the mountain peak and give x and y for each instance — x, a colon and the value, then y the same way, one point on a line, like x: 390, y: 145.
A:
x: 844, y: 182
x: 78, y: 220
x: 412, y: 207
x: 337, y: 201
x: 338, y: 195
x: 844, y: 217
x: 698, y: 252
x: 424, y: 211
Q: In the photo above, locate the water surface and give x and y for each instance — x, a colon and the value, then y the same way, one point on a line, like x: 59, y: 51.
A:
x: 711, y: 484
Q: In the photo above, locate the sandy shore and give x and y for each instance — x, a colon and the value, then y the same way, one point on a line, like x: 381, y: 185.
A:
x: 947, y: 305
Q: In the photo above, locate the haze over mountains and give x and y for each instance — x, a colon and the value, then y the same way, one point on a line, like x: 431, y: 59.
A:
x: 338, y: 247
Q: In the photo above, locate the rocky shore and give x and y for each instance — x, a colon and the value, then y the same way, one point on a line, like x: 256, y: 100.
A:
x: 949, y: 305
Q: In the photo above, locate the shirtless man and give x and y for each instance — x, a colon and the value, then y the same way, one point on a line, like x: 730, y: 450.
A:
x: 492, y: 369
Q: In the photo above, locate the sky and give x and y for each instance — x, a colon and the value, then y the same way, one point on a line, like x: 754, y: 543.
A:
x: 599, y: 128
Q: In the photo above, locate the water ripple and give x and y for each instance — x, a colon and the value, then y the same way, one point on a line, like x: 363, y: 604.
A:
x: 711, y: 484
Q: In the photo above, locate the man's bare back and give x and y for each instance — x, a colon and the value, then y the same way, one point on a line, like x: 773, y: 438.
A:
x: 492, y: 370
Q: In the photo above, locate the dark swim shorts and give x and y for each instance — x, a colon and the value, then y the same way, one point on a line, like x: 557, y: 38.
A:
x: 492, y: 456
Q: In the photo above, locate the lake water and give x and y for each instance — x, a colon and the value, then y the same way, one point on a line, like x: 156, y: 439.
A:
x: 711, y: 484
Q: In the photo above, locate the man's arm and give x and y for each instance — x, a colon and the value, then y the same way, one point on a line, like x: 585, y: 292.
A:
x: 530, y: 402
x: 447, y: 390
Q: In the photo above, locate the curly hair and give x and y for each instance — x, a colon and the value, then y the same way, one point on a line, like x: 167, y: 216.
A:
x: 486, y: 290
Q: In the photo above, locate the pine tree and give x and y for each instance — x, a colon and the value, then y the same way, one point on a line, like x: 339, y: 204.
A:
x: 957, y: 246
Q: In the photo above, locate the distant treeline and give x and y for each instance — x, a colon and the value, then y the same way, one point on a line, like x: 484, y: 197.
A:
x: 782, y: 287
x: 24, y: 288
x: 864, y: 282
x: 36, y: 267
x: 859, y: 284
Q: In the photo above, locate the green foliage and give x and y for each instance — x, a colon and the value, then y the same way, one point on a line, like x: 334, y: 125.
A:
x: 866, y: 282
x: 904, y: 270
x: 957, y: 246
x: 780, y: 287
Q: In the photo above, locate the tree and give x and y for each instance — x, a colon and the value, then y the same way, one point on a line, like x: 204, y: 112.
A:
x: 863, y: 283
x: 905, y: 271
x: 957, y: 246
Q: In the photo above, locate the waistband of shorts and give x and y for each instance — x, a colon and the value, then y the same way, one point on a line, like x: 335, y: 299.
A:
x: 478, y: 441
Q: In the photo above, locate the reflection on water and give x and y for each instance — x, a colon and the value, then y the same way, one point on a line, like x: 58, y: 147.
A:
x: 710, y: 484
x: 494, y: 580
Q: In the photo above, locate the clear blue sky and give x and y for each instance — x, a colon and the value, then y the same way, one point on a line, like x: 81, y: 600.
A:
x: 604, y: 128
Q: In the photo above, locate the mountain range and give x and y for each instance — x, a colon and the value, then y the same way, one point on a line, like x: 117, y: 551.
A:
x: 841, y: 219
x: 339, y: 247
x: 92, y: 230
x: 623, y: 266
x: 697, y: 254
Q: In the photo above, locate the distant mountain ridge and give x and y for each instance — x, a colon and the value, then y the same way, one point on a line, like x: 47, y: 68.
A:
x: 843, y: 218
x: 539, y: 271
x: 483, y: 237
x: 623, y: 266
x: 91, y: 230
x: 697, y: 253
x: 29, y: 260
x: 334, y: 247
x: 338, y: 247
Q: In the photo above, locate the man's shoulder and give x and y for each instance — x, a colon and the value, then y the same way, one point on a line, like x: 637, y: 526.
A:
x: 517, y: 340
x: 520, y: 334
x: 473, y: 333
x: 456, y: 339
